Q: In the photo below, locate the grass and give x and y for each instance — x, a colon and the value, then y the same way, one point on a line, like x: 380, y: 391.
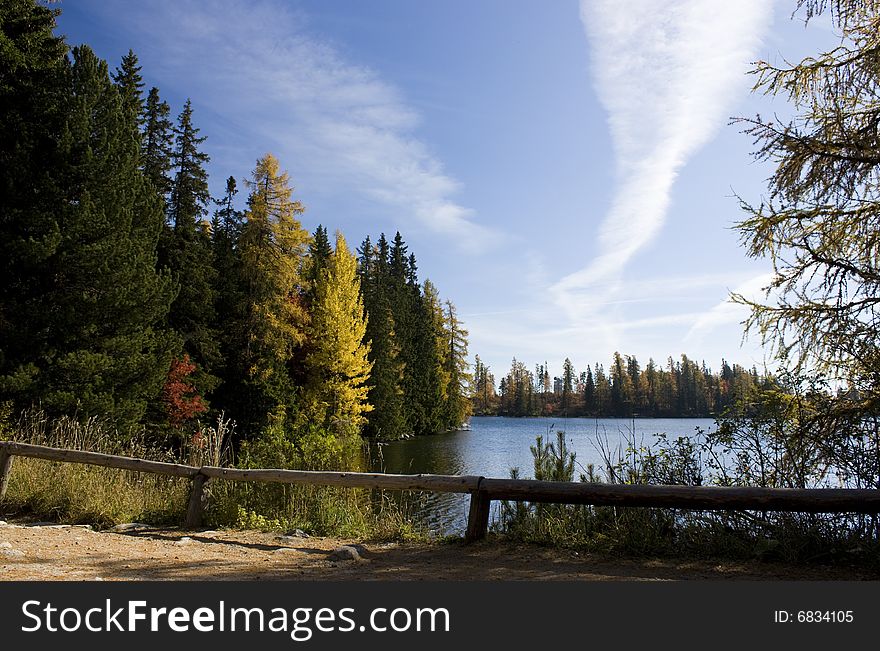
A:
x: 798, y: 538
x: 103, y: 497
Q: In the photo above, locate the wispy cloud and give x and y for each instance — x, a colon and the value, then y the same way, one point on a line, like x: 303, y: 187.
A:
x: 258, y: 61
x: 727, y: 311
x: 666, y: 73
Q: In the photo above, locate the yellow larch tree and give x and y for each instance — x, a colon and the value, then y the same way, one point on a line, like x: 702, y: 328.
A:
x: 273, y: 247
x: 337, y: 361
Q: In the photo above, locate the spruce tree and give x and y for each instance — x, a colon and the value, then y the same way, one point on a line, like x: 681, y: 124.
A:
x: 430, y: 368
x: 33, y: 104
x: 157, y: 144
x: 568, y: 375
x: 130, y: 84
x: 103, y: 347
x: 386, y: 420
x: 319, y: 257
x: 189, y: 253
x: 226, y: 227
x: 458, y: 407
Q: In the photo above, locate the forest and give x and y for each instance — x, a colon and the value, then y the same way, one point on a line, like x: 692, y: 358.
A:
x: 129, y: 293
x: 141, y: 315
x: 681, y: 389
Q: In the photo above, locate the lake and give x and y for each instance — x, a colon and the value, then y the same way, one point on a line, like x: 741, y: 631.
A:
x: 494, y: 445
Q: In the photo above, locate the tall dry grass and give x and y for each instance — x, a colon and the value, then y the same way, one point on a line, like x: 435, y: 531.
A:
x: 77, y: 493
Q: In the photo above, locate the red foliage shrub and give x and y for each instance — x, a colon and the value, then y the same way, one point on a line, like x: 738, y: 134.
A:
x: 182, y: 400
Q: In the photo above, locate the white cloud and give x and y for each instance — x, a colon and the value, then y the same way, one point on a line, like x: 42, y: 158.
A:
x: 666, y: 73
x: 354, y: 131
x: 727, y: 311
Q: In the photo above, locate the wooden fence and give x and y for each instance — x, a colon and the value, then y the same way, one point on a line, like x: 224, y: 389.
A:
x: 481, y: 489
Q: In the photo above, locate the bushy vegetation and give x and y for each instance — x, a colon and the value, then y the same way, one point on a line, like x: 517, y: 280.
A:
x: 745, y: 450
x: 76, y: 493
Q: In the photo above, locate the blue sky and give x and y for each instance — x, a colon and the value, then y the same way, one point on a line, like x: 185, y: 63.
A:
x: 564, y: 171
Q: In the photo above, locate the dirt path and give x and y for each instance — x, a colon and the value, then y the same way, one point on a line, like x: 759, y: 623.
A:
x: 61, y: 552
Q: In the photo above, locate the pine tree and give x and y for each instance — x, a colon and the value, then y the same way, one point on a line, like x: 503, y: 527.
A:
x: 568, y: 375
x: 589, y: 394
x: 386, y: 420
x: 429, y: 367
x: 229, y: 292
x: 189, y: 252
x: 103, y: 348
x: 483, y: 389
x: 130, y: 84
x: 337, y: 364
x: 226, y: 227
x: 319, y: 257
x: 33, y: 105
x: 157, y: 144
x: 458, y: 407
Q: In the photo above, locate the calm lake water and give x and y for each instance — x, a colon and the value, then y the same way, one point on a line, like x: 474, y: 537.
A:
x: 494, y: 445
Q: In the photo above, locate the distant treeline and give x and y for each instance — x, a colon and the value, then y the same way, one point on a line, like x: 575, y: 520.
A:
x: 680, y: 389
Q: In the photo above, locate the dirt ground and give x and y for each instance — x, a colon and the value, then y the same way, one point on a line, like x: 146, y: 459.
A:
x: 41, y: 551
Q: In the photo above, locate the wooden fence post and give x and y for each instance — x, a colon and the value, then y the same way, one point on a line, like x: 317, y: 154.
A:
x: 196, y: 508
x: 478, y: 516
x: 5, y: 468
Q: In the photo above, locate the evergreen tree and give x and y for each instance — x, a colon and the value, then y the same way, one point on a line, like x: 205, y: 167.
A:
x: 157, y: 144
x: 102, y: 347
x: 483, y: 389
x: 429, y: 367
x: 337, y: 363
x: 130, y: 84
x: 33, y: 105
x: 568, y: 375
x: 589, y: 393
x: 229, y: 292
x: 386, y: 420
x: 319, y: 257
x: 189, y: 252
x: 458, y: 407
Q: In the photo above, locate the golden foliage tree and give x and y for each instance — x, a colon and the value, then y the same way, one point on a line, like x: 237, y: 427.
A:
x: 337, y: 362
x: 272, y: 247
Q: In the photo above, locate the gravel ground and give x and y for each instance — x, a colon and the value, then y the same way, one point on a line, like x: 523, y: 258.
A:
x: 42, y: 551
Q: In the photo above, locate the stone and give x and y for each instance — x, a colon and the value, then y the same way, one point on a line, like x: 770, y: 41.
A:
x: 11, y: 553
x: 5, y: 545
x: 186, y: 540
x: 128, y: 526
x: 345, y: 553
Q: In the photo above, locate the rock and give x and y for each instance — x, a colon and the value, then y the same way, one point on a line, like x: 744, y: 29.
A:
x: 5, y: 545
x: 11, y: 553
x: 128, y: 526
x: 346, y: 553
x: 186, y: 540
x: 295, y: 536
x: 2, y: 523
x: 285, y: 550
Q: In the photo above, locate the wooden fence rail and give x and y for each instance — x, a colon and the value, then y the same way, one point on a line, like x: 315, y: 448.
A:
x: 482, y: 490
